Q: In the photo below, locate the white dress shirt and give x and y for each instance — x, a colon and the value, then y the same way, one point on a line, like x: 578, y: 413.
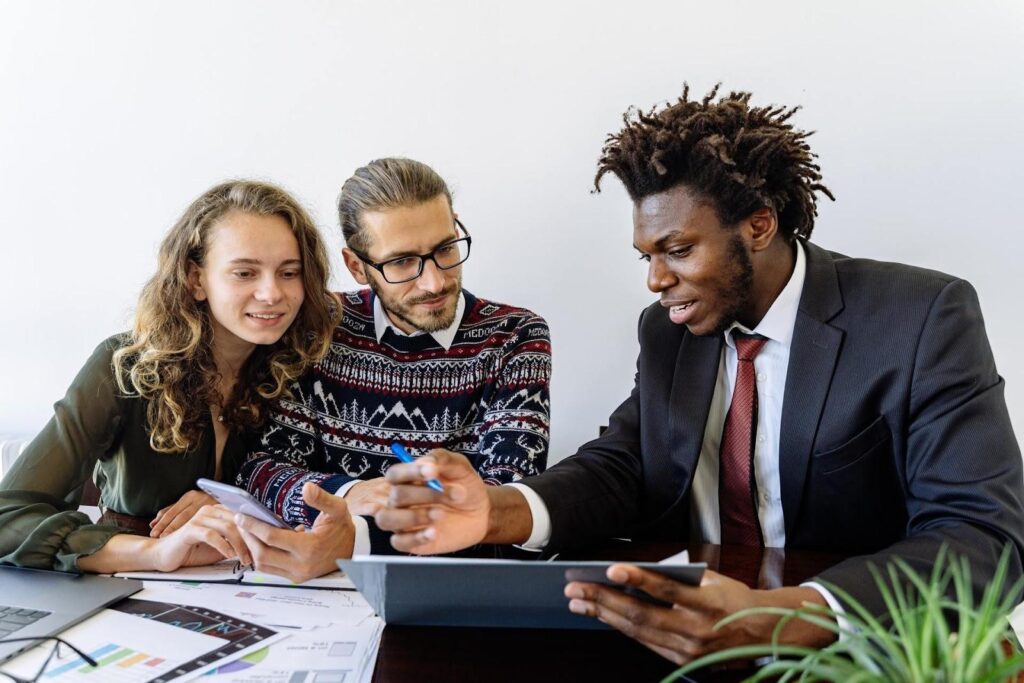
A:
x: 770, y: 367
x: 381, y: 322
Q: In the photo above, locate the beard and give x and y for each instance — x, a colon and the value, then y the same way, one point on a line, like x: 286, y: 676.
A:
x: 735, y: 293
x: 425, y: 321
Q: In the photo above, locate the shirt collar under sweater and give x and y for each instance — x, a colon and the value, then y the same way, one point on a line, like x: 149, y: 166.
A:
x: 445, y: 337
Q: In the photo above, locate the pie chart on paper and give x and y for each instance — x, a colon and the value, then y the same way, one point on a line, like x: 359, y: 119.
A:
x: 246, y: 662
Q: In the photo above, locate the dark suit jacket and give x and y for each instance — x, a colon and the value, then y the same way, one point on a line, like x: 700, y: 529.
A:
x: 895, y: 436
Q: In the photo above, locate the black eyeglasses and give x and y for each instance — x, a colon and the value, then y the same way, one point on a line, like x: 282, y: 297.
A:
x: 55, y: 652
x: 406, y: 268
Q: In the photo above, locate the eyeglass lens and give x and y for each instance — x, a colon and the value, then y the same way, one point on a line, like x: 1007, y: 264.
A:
x: 408, y: 268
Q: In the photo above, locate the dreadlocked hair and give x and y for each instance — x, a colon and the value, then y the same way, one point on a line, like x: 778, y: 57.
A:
x: 740, y: 158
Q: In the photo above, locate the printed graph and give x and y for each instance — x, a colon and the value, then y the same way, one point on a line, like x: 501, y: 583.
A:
x: 143, y: 641
x: 116, y: 664
x: 238, y: 634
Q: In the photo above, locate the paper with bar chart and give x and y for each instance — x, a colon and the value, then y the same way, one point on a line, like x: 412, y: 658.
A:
x: 140, y: 641
x: 343, y: 653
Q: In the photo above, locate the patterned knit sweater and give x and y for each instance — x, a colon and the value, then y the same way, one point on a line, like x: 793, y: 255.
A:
x: 486, y: 397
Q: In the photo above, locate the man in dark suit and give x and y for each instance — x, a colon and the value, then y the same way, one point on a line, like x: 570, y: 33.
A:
x: 786, y: 396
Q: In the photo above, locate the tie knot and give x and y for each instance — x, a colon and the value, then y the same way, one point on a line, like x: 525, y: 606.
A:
x: 748, y: 346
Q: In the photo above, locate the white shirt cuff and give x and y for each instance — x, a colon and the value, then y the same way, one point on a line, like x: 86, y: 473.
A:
x: 362, y: 542
x: 541, y: 532
x: 844, y: 624
x: 343, y: 489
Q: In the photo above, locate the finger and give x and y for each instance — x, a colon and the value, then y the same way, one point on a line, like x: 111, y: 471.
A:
x: 407, y: 496
x: 223, y: 523
x: 263, y: 554
x: 406, y: 519
x: 213, y: 539
x: 658, y: 585
x: 267, y: 534
x: 282, y: 546
x: 257, y: 549
x: 323, y: 501
x: 405, y: 473
x: 440, y: 463
x: 168, y: 514
x: 233, y: 536
x: 436, y: 464
x: 158, y: 515
x: 293, y: 564
x: 418, y: 543
x: 637, y: 610
x: 673, y: 646
x: 662, y: 627
x: 174, y: 521
x: 268, y: 559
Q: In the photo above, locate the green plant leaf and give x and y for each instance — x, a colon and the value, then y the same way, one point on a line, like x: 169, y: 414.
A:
x: 912, y: 642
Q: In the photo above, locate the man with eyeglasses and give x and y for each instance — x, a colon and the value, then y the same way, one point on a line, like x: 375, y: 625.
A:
x: 415, y: 360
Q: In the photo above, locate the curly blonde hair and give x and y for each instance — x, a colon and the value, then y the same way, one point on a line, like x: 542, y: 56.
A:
x: 168, y: 358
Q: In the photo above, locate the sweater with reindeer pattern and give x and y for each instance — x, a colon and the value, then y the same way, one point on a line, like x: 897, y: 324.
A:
x: 486, y: 397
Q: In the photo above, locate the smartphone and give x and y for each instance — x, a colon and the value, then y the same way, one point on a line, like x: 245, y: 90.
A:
x: 239, y: 500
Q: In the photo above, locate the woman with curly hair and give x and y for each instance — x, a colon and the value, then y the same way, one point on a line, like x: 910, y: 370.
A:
x: 237, y: 309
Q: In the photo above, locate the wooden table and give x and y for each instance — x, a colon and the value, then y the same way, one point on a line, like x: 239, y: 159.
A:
x: 443, y: 654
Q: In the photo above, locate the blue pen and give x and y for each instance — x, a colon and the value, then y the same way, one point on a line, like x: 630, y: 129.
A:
x: 403, y: 455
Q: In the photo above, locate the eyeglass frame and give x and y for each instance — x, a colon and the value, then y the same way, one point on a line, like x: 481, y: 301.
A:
x: 379, y: 265
x: 57, y: 642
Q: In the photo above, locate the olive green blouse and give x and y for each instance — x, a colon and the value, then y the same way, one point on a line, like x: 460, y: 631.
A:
x: 97, y: 431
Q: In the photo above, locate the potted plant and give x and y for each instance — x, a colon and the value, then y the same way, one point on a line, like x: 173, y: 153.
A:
x: 932, y: 631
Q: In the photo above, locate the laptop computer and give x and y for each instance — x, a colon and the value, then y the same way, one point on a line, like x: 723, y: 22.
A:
x: 36, y: 602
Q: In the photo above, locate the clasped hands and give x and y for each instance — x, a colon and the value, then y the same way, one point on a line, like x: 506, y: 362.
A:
x: 468, y: 512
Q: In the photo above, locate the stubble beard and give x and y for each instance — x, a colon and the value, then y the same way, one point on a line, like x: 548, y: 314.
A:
x: 736, y: 294
x: 429, y: 321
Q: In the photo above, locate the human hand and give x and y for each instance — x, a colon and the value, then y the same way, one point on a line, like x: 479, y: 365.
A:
x: 302, y: 554
x: 174, y: 516
x: 209, y: 536
x: 367, y: 497
x: 686, y: 630
x: 426, y: 522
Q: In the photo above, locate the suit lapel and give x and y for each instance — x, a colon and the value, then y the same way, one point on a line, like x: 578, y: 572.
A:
x: 812, y: 360
x: 693, y: 385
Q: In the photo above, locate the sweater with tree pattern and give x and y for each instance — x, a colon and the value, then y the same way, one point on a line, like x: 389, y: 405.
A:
x: 485, y: 397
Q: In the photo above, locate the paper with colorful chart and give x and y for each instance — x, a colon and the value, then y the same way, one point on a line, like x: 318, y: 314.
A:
x: 140, y: 641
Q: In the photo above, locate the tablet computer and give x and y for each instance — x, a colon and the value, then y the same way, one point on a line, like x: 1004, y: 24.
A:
x: 431, y: 591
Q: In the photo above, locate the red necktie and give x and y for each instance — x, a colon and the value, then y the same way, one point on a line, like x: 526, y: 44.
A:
x: 737, y: 507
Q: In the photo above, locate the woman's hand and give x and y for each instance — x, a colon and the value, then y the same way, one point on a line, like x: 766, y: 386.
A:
x: 209, y: 536
x: 173, y: 517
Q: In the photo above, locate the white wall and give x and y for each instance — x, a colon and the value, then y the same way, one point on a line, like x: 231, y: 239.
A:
x: 114, y: 115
